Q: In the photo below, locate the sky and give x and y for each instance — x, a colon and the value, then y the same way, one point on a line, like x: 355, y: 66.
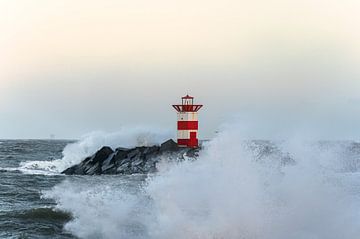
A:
x: 275, y: 68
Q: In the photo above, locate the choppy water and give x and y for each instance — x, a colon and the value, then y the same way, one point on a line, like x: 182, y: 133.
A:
x: 236, y: 189
x: 24, y: 211
x: 23, y: 214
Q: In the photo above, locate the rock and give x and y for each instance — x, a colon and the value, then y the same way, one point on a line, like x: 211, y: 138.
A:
x: 95, y: 169
x: 129, y: 161
x: 133, y: 153
x: 101, y: 155
x: 92, y: 165
x: 135, y: 169
x: 123, y: 168
x: 137, y: 161
x: 125, y: 160
x: 192, y: 153
x: 74, y: 170
x: 151, y: 150
x: 120, y: 155
x: 108, y: 169
x: 169, y: 145
x: 121, y: 149
x: 108, y: 163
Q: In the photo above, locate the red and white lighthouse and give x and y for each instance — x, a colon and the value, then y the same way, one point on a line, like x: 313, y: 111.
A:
x: 187, y: 124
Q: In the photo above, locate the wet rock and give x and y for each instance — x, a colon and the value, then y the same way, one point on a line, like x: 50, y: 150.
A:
x: 95, y: 169
x: 137, y: 161
x: 129, y: 161
x: 124, y: 168
x: 101, y: 155
x: 74, y: 170
x: 120, y: 154
x: 151, y: 150
x: 169, y: 145
x: 108, y: 163
x: 134, y: 153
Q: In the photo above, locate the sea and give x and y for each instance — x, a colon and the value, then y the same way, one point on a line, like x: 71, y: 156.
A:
x: 23, y: 211
x: 251, y: 189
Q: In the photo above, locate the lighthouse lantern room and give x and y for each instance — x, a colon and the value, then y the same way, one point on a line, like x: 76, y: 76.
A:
x: 187, y: 123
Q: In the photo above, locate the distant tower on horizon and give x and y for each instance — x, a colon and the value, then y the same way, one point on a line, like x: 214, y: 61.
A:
x: 187, y: 123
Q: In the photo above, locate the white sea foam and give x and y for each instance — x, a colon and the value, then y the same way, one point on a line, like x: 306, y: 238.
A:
x: 226, y: 193
x: 29, y: 171
x: 90, y: 143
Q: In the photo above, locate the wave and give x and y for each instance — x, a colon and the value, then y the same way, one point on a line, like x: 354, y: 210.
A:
x: 37, y: 214
x: 74, y: 153
x: 45, y: 213
x: 226, y: 193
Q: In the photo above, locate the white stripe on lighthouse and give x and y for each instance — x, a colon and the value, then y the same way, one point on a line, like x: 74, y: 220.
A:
x: 184, y: 134
x: 187, y: 116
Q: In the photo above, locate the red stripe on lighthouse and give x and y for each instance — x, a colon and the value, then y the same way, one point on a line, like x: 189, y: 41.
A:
x: 193, y: 142
x: 188, y: 125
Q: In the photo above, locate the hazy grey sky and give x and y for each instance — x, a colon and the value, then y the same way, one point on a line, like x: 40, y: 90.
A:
x: 275, y: 67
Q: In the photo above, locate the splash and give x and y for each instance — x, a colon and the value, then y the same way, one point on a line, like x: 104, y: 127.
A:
x: 103, y: 207
x: 74, y: 153
x: 227, y: 193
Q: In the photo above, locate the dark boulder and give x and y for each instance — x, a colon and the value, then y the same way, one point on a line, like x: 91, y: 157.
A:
x: 101, y: 155
x: 74, y: 170
x: 108, y: 163
x: 129, y: 161
x: 169, y: 146
x: 120, y: 154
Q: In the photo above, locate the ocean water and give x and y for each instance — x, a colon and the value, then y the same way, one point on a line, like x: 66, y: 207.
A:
x: 23, y: 213
x: 236, y: 189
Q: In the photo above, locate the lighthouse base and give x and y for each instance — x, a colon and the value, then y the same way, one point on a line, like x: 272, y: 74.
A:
x: 190, y: 143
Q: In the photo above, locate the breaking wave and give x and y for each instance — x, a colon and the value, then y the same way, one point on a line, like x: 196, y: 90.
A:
x: 74, y: 153
x: 229, y: 192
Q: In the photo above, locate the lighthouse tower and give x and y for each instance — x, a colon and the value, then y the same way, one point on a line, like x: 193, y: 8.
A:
x: 187, y: 123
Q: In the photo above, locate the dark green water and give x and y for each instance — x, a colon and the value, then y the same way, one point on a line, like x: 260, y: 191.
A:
x: 23, y: 213
x: 38, y: 203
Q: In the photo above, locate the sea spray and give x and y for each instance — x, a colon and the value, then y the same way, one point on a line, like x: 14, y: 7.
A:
x: 90, y: 143
x: 227, y: 193
x: 103, y: 207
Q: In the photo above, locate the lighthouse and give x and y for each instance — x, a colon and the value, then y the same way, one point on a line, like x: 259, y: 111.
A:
x: 187, y: 122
